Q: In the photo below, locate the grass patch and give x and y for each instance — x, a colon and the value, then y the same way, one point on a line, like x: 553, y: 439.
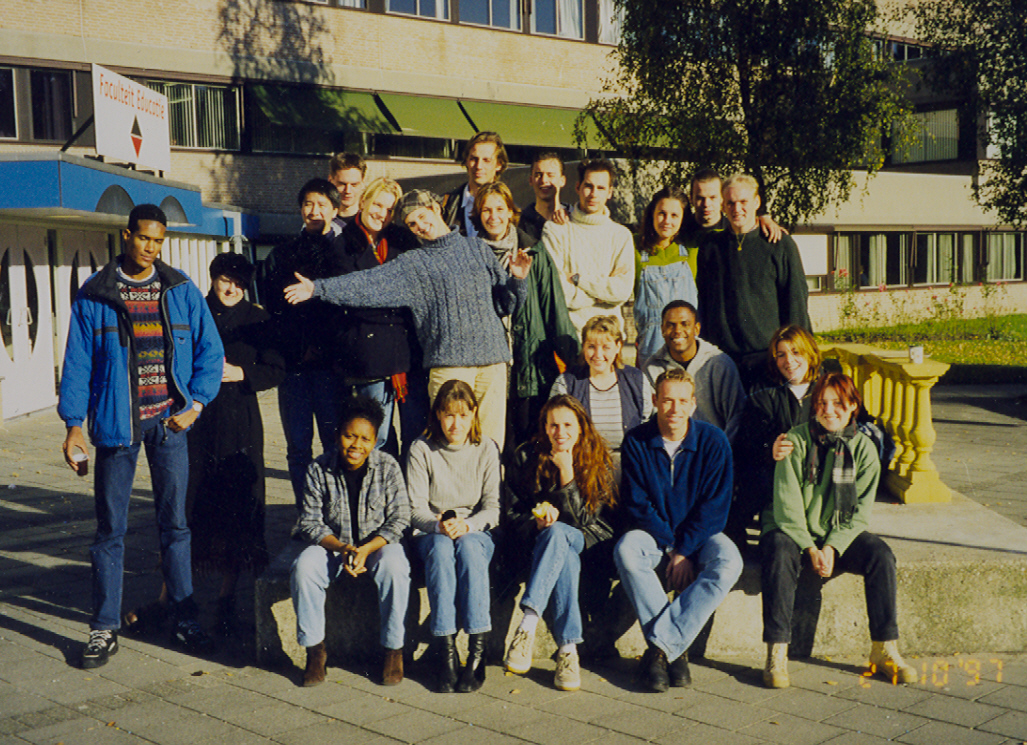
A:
x: 984, y: 343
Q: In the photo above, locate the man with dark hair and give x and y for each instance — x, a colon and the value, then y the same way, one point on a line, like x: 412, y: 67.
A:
x: 676, y: 490
x: 593, y: 254
x: 547, y: 179
x: 305, y: 334
x: 719, y: 395
x: 346, y: 171
x: 485, y: 160
x: 143, y: 358
x: 748, y: 286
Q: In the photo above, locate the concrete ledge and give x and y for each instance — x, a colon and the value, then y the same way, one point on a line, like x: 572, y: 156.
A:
x: 962, y: 585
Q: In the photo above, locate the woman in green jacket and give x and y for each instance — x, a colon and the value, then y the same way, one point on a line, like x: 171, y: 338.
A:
x: 823, y: 493
x: 542, y: 338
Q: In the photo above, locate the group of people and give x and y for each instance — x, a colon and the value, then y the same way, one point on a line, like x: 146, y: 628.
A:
x: 492, y: 339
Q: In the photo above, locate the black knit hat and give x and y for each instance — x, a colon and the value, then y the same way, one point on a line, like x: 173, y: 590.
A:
x: 235, y: 266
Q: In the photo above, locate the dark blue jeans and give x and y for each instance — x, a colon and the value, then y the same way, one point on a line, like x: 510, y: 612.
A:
x: 168, y: 457
x: 304, y: 397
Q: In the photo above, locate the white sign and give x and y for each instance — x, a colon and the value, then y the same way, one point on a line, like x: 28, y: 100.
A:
x: 131, y: 121
x: 813, y: 250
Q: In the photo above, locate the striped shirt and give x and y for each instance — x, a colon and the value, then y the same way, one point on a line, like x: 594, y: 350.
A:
x: 142, y: 298
x: 606, y: 414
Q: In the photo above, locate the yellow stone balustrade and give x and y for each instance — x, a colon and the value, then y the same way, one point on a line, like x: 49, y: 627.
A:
x: 898, y: 393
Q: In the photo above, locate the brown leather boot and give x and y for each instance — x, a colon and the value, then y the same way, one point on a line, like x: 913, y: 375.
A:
x: 315, y: 673
x: 392, y: 672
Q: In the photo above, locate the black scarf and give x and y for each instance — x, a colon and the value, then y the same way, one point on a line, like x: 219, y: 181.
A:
x: 843, y: 475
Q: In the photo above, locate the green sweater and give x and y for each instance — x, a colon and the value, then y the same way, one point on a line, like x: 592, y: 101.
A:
x: 805, y: 512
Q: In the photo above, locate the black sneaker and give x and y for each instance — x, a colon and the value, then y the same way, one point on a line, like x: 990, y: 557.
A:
x: 680, y: 675
x: 652, y: 670
x: 99, y: 648
x: 187, y: 634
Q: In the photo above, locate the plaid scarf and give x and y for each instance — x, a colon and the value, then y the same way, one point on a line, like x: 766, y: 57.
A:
x: 843, y: 475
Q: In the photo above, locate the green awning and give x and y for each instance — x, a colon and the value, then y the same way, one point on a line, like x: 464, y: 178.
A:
x: 320, y: 108
x: 531, y: 125
x: 421, y: 116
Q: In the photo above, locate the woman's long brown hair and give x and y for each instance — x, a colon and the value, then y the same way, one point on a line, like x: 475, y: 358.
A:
x: 593, y: 464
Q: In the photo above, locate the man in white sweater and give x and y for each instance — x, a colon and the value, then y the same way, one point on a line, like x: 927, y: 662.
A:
x: 593, y: 254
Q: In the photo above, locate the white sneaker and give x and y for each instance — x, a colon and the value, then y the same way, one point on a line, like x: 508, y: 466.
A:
x: 568, y: 672
x: 519, y: 656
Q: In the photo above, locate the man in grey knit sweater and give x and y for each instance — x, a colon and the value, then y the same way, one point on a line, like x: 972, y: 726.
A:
x: 456, y: 291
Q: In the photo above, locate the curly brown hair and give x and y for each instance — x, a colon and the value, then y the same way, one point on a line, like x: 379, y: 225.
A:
x: 593, y: 464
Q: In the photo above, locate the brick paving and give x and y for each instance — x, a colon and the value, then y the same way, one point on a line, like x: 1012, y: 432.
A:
x: 150, y: 693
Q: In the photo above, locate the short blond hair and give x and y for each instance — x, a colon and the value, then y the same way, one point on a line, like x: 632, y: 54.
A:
x: 379, y: 185
x: 674, y: 375
x: 741, y: 179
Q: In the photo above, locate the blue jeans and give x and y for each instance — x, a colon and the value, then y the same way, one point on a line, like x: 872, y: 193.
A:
x: 168, y: 458
x: 380, y: 391
x: 413, y: 411
x: 304, y: 397
x: 456, y: 574
x: 673, y: 626
x: 555, y: 569
x: 315, y: 568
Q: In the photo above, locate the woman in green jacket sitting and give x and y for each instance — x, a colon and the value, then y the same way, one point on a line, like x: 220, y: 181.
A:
x: 823, y: 493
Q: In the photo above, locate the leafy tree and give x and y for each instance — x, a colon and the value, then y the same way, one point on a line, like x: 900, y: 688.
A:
x: 982, y: 57
x: 792, y: 91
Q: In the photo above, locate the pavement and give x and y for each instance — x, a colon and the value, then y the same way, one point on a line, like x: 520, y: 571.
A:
x: 151, y: 693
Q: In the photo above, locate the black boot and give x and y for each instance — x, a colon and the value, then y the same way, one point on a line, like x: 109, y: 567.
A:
x: 680, y: 675
x: 447, y: 662
x: 472, y: 677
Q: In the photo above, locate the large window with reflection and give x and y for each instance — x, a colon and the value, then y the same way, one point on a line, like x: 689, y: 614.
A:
x: 558, y: 18
x: 900, y: 259
x: 51, y: 104
x: 201, y: 116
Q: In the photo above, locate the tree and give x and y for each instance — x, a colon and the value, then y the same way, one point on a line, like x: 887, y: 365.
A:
x: 982, y: 57
x: 792, y: 91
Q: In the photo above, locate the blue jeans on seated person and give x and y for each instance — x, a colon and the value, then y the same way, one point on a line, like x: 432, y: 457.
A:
x: 316, y: 567
x: 555, y: 571
x: 672, y: 626
x: 168, y: 457
x: 456, y: 575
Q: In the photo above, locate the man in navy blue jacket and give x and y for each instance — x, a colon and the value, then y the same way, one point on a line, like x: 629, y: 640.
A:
x: 676, y: 488
x: 143, y: 358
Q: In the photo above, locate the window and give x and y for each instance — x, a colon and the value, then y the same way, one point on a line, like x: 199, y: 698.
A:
x: 936, y: 138
x: 611, y: 21
x: 1004, y: 257
x: 498, y: 13
x: 438, y: 9
x: 201, y: 116
x: 557, y: 17
x: 934, y: 259
x: 51, y: 105
x: 8, y: 119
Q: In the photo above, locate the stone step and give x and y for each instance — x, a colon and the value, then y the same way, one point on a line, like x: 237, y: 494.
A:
x: 962, y: 584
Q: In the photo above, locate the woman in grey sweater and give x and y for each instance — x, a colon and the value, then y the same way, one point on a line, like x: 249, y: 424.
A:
x: 453, y: 480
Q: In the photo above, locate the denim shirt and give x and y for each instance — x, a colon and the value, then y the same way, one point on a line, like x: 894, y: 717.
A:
x: 383, y: 503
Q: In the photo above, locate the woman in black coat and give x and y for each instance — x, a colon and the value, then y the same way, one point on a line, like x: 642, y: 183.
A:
x: 225, y: 500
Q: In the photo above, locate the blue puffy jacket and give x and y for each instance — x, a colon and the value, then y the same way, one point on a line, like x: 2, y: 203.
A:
x: 99, y: 379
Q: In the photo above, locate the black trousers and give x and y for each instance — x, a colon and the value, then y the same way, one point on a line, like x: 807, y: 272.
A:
x: 867, y: 555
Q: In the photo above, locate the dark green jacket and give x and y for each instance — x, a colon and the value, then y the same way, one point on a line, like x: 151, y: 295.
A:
x: 539, y: 327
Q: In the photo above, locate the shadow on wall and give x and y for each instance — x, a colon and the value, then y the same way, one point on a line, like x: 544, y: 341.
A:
x: 282, y: 54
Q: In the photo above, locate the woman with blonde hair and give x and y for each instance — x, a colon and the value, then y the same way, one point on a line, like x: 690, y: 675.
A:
x: 559, y: 499
x: 374, y: 343
x: 615, y: 396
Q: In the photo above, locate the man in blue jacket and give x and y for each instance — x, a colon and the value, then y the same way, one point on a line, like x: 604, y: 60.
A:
x: 143, y: 358
x: 676, y: 488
